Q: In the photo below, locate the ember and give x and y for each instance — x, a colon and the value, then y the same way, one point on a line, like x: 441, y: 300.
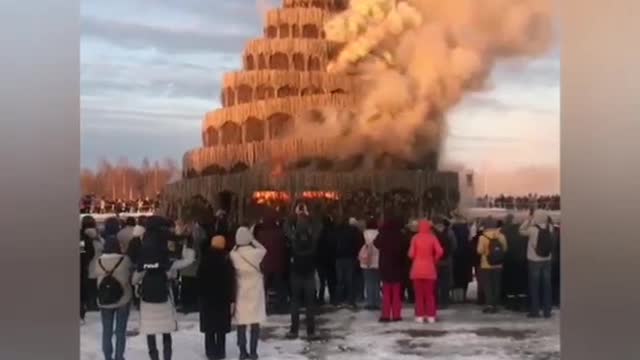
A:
x: 328, y: 195
x: 264, y: 197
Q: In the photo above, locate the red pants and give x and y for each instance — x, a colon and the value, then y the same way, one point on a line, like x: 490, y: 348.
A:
x: 391, y: 301
x: 425, y: 297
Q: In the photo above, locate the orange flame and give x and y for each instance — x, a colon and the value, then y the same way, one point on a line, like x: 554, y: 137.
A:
x: 328, y: 195
x: 264, y: 197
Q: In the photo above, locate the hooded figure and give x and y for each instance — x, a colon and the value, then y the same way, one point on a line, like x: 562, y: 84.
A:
x: 247, y: 257
x: 250, y: 307
x: 425, y: 250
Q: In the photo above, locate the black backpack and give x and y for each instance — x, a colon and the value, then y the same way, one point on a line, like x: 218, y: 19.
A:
x: 496, y: 252
x: 110, y: 290
x: 302, y: 250
x: 544, y: 246
x: 155, y: 284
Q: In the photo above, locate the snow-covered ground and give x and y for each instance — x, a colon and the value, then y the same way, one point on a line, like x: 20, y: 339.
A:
x: 463, y: 333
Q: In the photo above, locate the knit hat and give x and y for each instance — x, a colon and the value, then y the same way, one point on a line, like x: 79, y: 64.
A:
x: 218, y: 242
x: 243, y: 236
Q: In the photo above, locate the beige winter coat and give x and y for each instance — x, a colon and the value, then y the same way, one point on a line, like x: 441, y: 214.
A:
x: 250, y: 295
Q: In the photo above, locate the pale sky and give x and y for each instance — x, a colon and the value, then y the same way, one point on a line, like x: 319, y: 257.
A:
x: 150, y: 69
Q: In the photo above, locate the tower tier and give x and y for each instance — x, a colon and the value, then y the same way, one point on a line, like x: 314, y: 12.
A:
x: 264, y: 119
x: 246, y: 86
x: 295, y: 23
x: 330, y: 5
x: 289, y: 54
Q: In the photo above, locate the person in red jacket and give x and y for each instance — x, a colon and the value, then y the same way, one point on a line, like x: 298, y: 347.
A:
x: 425, y: 251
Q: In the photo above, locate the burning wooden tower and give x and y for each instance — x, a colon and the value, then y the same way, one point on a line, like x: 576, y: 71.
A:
x: 251, y: 156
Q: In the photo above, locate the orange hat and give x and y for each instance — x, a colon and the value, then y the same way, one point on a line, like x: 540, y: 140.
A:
x: 218, y: 242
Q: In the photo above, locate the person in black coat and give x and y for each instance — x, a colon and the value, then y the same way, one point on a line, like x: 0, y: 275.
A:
x: 87, y: 252
x: 555, y: 269
x: 479, y: 230
x: 217, y: 290
x: 347, y: 239
x: 515, y: 274
x: 325, y: 262
x: 462, y: 259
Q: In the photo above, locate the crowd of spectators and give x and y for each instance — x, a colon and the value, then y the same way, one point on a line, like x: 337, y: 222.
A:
x: 91, y: 204
x: 547, y: 202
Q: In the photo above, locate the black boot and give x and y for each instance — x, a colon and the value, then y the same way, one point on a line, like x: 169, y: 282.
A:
x: 153, y: 348
x: 242, y: 342
x: 243, y: 354
x: 166, y: 346
x: 255, y: 337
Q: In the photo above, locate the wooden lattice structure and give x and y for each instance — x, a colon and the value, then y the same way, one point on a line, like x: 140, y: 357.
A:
x: 284, y: 76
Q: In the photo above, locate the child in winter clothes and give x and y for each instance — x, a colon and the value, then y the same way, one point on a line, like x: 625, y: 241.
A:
x: 369, y: 262
x: 250, y: 306
x: 425, y: 250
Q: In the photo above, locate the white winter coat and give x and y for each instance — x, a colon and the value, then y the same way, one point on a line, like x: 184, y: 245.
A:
x: 161, y: 318
x: 250, y: 296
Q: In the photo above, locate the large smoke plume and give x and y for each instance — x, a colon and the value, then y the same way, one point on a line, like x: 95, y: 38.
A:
x: 416, y: 59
